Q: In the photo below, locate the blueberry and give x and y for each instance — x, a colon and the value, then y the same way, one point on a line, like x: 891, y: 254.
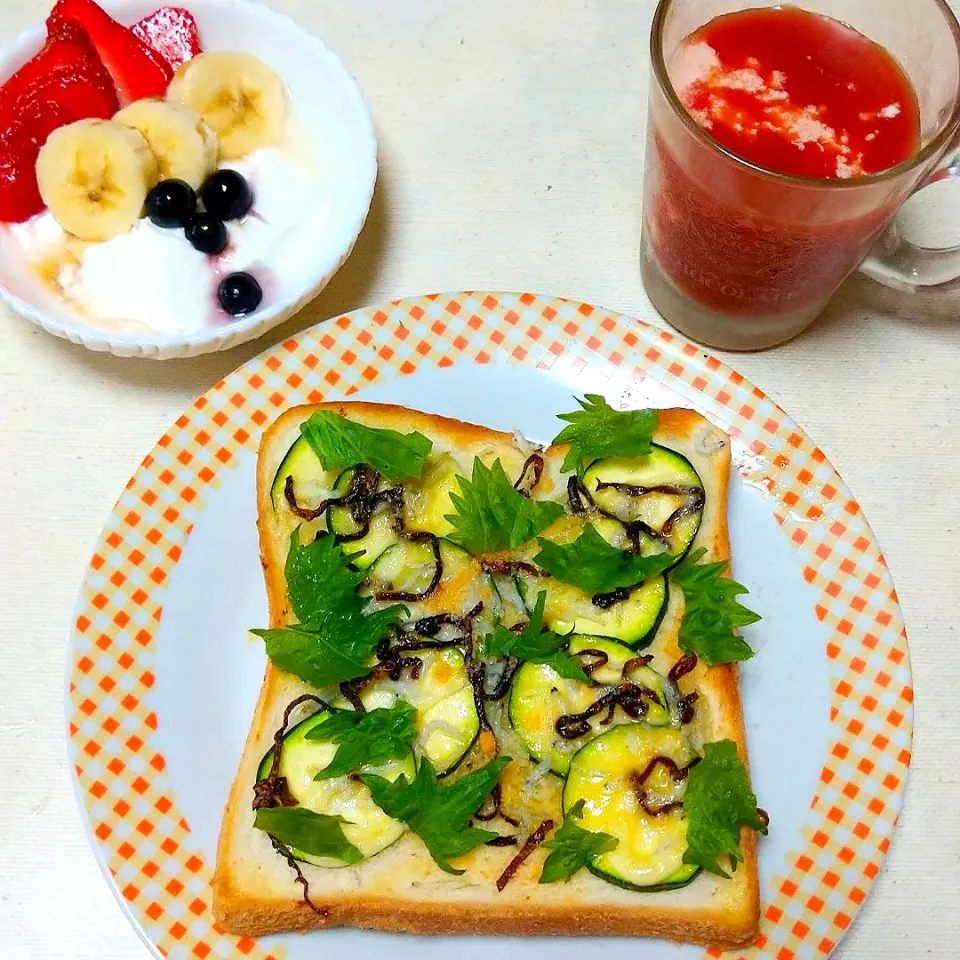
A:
x: 227, y: 195
x: 239, y: 294
x: 206, y: 234
x: 171, y: 204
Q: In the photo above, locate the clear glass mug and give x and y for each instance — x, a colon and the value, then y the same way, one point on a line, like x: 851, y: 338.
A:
x: 741, y: 258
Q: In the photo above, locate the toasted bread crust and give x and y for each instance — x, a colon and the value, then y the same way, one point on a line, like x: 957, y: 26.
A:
x: 401, y: 889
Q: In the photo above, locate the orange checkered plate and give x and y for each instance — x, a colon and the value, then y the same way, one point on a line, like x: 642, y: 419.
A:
x: 162, y: 678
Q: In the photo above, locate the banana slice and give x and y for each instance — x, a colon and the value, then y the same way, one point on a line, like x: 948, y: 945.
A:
x: 241, y: 98
x: 182, y: 141
x: 94, y: 176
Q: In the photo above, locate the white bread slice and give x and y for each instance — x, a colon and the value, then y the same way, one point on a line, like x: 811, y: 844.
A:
x: 402, y: 889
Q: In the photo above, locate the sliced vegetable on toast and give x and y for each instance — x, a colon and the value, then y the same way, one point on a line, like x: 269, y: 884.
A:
x: 368, y: 526
x: 434, y: 682
x: 555, y: 716
x: 302, y: 472
x: 659, y: 496
x: 631, y: 618
x: 427, y: 499
x: 577, y: 554
x: 631, y: 781
x: 364, y: 825
x: 431, y: 576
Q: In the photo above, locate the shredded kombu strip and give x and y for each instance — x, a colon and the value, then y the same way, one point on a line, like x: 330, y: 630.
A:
x: 533, y: 465
x: 630, y: 697
x: 695, y: 499
x: 597, y: 660
x: 509, y: 568
x: 531, y: 844
x: 686, y: 708
x: 503, y: 841
x: 273, y: 791
x: 408, y: 596
x: 686, y: 664
x: 284, y: 852
x: 634, y: 663
x: 361, y: 497
x: 638, y: 781
x: 496, y: 799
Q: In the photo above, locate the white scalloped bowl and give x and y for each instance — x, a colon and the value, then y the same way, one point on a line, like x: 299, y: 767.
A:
x: 333, y: 118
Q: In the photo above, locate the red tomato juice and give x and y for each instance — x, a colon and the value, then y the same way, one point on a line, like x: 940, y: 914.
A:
x: 794, y: 93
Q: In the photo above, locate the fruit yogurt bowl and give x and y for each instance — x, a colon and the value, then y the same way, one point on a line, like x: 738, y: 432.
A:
x: 175, y: 180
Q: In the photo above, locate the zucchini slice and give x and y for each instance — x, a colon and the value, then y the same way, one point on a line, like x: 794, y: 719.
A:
x: 649, y: 853
x: 447, y: 721
x: 311, y: 482
x: 368, y: 828
x: 426, y: 500
x: 672, y: 509
x: 409, y: 567
x: 568, y: 609
x: 381, y: 532
x: 539, y: 697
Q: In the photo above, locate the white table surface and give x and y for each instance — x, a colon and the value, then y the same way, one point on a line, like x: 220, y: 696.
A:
x: 511, y: 146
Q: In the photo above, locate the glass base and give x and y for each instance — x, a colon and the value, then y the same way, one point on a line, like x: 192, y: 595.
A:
x: 713, y: 329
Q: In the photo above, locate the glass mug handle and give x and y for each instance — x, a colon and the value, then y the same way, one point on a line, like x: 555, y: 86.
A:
x: 898, y: 263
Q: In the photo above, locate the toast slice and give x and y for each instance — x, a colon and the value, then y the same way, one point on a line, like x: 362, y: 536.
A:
x: 402, y: 889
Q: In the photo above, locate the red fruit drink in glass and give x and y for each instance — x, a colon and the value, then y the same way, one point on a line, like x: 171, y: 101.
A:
x: 794, y: 93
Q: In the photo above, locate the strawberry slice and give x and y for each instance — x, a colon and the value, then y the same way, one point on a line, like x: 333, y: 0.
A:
x: 79, y: 96
x: 64, y: 82
x: 21, y: 138
x: 172, y: 32
x: 67, y: 52
x: 137, y: 70
x: 19, y: 195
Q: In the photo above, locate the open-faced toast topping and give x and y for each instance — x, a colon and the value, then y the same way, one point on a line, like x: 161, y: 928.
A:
x: 488, y: 625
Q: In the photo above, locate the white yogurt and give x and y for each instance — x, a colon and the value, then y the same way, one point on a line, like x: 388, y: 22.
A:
x: 153, y: 277
x: 281, y: 194
x: 148, y: 275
